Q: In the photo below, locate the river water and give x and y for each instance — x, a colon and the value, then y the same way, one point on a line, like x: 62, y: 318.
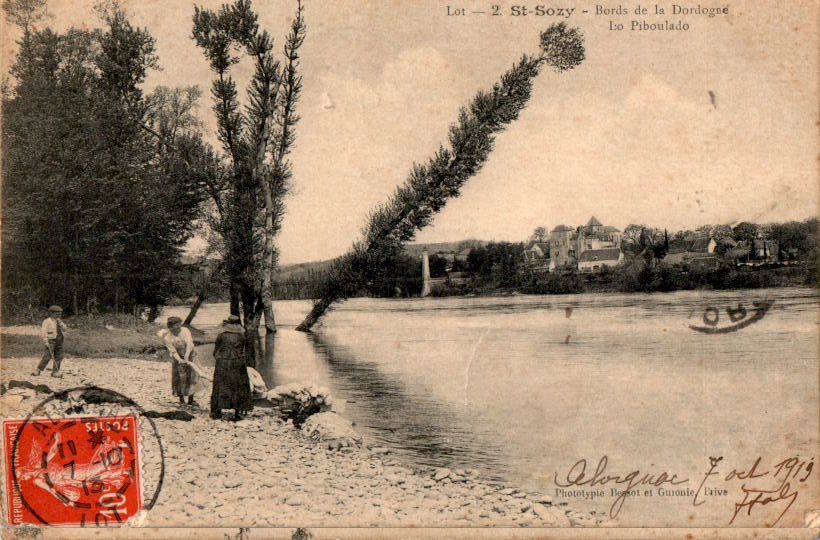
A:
x: 522, y: 387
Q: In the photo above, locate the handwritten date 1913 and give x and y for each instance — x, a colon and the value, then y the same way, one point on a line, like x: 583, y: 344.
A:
x: 759, y: 485
x: 762, y: 486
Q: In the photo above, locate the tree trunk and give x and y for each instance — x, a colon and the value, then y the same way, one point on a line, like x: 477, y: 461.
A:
x: 235, y: 296
x: 259, y: 352
x: 202, y: 294
x: 262, y: 142
x: 319, y: 309
x: 251, y: 322
x: 191, y: 314
x: 268, y: 263
x: 267, y: 307
x: 251, y: 338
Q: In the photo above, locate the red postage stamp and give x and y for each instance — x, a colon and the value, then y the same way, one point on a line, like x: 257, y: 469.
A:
x: 72, y: 471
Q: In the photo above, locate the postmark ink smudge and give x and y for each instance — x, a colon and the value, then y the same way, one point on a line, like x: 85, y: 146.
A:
x: 738, y: 315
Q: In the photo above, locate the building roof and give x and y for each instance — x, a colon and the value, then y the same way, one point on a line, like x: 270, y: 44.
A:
x: 543, y: 246
x: 593, y: 222
x: 604, y: 254
x: 561, y: 228
x: 696, y: 245
x: 700, y: 244
x: 610, y: 229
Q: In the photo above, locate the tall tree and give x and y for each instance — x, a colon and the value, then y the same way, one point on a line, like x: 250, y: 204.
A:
x: 745, y: 232
x: 249, y: 197
x: 100, y: 208
x: 632, y: 233
x: 24, y: 13
x: 540, y: 234
x: 429, y: 186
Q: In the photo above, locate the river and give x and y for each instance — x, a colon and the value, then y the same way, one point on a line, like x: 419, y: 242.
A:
x: 521, y: 387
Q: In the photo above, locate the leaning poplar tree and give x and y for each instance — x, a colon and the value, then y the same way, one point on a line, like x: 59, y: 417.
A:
x: 249, y: 196
x: 429, y: 186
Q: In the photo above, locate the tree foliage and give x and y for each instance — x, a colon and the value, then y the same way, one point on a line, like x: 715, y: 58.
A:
x: 96, y: 207
x: 24, y: 13
x: 429, y: 186
x: 248, y: 195
x: 540, y: 234
x: 745, y: 232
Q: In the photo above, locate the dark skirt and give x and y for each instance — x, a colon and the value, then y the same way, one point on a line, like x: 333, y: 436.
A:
x: 231, y: 388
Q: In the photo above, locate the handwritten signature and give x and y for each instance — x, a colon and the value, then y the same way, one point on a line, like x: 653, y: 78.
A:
x: 759, y: 486
x: 777, y: 486
x: 577, y: 477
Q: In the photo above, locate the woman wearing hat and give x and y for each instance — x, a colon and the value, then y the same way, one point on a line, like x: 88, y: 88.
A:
x: 231, y: 388
x: 52, y: 333
x: 180, y: 345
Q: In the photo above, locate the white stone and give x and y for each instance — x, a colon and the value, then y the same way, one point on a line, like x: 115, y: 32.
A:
x: 543, y: 499
x: 551, y: 515
x: 329, y: 426
x: 441, y: 474
x: 296, y: 499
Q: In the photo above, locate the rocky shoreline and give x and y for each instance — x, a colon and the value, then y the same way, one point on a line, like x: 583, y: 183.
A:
x: 264, y: 471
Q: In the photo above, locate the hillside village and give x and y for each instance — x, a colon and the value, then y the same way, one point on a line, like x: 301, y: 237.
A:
x: 591, y: 247
x: 686, y: 259
x: 591, y: 256
x: 587, y: 248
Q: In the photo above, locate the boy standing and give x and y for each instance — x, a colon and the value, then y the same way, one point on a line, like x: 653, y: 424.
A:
x: 52, y: 334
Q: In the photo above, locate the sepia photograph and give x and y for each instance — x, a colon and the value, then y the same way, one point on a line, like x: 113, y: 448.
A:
x: 385, y: 269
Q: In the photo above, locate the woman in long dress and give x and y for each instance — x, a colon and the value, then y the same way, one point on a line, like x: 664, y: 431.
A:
x: 180, y: 345
x: 231, y: 388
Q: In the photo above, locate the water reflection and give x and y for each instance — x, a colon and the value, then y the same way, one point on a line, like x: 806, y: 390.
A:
x: 265, y: 352
x: 493, y: 384
x: 429, y: 432
x: 418, y: 428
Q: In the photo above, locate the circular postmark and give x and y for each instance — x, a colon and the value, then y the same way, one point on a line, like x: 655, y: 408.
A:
x: 86, y: 464
x: 730, y: 318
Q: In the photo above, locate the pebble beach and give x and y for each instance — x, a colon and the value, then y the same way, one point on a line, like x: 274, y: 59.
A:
x: 263, y: 471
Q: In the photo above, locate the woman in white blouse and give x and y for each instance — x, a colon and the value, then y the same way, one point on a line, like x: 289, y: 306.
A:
x: 180, y: 345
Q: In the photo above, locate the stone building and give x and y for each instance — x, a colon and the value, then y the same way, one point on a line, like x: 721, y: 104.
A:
x: 567, y: 245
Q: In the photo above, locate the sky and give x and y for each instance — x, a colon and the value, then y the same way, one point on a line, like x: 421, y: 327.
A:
x: 718, y: 124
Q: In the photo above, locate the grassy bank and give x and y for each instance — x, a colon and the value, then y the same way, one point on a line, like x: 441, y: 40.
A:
x: 638, y: 278
x: 103, y: 336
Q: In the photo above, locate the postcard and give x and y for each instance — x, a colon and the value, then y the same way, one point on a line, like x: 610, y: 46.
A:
x: 383, y: 269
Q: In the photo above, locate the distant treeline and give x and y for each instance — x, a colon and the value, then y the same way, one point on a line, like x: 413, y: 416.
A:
x: 497, y: 267
x: 399, y: 276
x: 635, y: 275
x: 667, y: 278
